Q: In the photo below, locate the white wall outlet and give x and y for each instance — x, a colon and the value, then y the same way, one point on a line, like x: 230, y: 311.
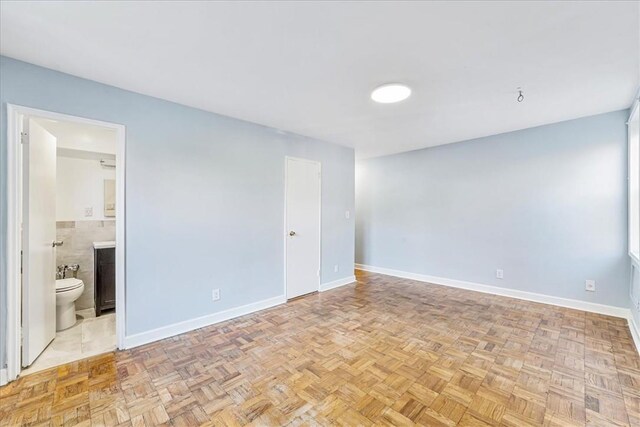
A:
x: 499, y: 274
x: 336, y: 268
x: 215, y: 295
x: 590, y: 285
x: 347, y: 214
x: 88, y: 211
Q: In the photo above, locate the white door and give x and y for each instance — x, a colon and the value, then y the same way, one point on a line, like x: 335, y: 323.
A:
x: 38, y: 237
x: 302, y: 227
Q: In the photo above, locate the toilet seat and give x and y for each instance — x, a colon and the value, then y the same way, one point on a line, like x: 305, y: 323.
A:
x: 64, y: 285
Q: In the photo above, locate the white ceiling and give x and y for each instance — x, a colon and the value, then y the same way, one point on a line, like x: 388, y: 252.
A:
x: 81, y: 136
x: 309, y: 67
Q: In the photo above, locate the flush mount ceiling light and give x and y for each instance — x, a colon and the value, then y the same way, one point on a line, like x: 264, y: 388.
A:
x: 390, y: 93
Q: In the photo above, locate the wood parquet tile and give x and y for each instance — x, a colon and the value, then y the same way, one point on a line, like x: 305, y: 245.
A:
x: 386, y: 351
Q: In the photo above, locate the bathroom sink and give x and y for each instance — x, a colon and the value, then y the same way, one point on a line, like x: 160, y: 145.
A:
x: 104, y: 245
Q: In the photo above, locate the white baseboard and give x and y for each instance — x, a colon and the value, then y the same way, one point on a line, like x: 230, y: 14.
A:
x: 337, y: 283
x: 608, y: 310
x: 3, y: 376
x: 513, y: 293
x: 200, y: 322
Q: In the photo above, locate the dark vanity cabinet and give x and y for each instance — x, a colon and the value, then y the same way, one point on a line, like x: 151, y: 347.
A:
x: 105, y: 279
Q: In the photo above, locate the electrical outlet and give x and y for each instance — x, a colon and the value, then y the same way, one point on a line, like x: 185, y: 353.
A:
x: 88, y: 211
x: 347, y: 214
x: 336, y: 268
x: 215, y: 295
x: 590, y: 285
x: 499, y: 274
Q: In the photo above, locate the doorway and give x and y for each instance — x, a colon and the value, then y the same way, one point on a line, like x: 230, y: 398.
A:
x: 302, y: 226
x: 65, y: 185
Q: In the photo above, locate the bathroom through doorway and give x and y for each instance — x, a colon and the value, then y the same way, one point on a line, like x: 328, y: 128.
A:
x: 66, y: 246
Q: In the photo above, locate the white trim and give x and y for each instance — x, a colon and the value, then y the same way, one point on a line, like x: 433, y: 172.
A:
x: 513, y: 293
x: 3, y: 377
x: 285, y: 230
x: 634, y: 104
x: 14, y: 215
x: 634, y: 257
x: 121, y: 242
x: 200, y: 322
x: 635, y: 331
x: 337, y: 283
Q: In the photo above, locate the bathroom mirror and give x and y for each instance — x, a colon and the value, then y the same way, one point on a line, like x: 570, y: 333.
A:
x: 110, y: 197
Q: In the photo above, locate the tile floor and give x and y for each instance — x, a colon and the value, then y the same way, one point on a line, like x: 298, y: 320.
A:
x: 90, y: 336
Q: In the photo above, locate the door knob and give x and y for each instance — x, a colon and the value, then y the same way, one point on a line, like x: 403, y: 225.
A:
x: 292, y: 233
x: 57, y: 243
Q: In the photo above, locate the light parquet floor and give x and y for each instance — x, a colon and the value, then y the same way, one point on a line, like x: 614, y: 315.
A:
x: 386, y: 351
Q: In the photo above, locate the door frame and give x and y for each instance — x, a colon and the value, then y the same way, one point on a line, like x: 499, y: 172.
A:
x: 15, y: 113
x: 286, y: 231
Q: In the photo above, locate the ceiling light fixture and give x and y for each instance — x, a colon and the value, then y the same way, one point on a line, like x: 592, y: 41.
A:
x: 390, y: 93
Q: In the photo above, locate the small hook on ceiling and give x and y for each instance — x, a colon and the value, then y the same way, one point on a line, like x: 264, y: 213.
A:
x: 520, y: 95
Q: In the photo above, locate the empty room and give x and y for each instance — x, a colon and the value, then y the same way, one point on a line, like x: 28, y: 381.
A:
x: 319, y: 213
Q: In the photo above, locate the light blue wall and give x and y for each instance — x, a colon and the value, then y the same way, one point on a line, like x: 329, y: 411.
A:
x: 205, y: 197
x: 548, y: 205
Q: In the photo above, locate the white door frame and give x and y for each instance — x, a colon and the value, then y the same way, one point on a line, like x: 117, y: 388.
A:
x: 14, y: 218
x: 286, y: 231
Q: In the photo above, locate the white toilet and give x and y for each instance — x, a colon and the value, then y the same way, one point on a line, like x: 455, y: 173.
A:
x: 67, y: 292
